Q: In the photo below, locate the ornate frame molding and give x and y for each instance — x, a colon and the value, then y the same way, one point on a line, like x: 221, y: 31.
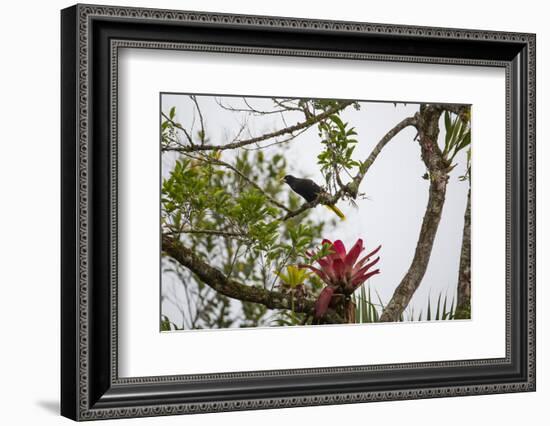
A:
x: 90, y: 401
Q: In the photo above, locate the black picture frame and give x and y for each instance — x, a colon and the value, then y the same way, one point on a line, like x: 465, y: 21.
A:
x: 90, y: 386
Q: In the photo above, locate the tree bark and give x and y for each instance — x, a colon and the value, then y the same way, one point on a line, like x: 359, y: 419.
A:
x: 464, y: 271
x: 438, y: 168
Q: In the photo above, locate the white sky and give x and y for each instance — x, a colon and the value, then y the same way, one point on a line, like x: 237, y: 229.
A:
x: 392, y: 216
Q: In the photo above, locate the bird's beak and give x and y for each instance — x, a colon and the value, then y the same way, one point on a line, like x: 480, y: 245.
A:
x: 282, y: 179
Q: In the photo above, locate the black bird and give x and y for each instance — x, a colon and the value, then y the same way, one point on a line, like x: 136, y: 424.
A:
x: 309, y: 190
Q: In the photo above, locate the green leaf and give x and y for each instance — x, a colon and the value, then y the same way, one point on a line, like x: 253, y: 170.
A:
x: 337, y: 120
x: 437, y: 314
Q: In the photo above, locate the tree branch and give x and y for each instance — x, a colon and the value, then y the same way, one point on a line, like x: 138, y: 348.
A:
x: 238, y: 144
x: 178, y: 126
x: 428, y: 128
x: 210, y: 232
x: 352, y: 188
x: 215, y: 279
x: 249, y: 108
x: 464, y: 271
x: 322, y: 198
x: 201, y: 119
x: 457, y: 109
x: 365, y: 165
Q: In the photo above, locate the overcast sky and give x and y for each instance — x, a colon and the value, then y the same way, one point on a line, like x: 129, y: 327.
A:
x: 397, y: 195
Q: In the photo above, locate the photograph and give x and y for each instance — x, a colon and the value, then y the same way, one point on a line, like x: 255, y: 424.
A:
x: 273, y: 208
x: 285, y: 211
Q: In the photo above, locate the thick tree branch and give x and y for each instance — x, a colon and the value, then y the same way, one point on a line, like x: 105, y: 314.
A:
x: 438, y: 167
x: 215, y: 279
x: 464, y: 271
x: 239, y: 144
x: 457, y: 109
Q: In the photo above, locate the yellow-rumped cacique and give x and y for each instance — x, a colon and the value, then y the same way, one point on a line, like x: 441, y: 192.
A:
x: 309, y: 191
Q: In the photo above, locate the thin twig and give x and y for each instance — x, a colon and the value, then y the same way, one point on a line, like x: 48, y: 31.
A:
x: 201, y: 119
x: 365, y: 165
x: 278, y: 142
x: 352, y: 188
x: 281, y: 132
x: 249, y: 110
x: 178, y: 126
x: 228, y: 234
x: 286, y: 107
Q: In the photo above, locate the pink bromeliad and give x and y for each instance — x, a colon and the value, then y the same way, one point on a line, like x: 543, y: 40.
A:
x: 341, y: 272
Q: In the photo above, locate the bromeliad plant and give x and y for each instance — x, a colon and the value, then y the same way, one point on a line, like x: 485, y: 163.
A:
x: 342, y: 274
x: 292, y: 283
x: 293, y: 280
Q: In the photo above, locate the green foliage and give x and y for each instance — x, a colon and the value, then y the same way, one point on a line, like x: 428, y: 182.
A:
x: 325, y: 249
x: 457, y: 137
x: 286, y: 318
x: 166, y: 324
x: 463, y: 312
x: 233, y: 225
x: 326, y: 104
x: 368, y: 310
x: 294, y: 276
x: 339, y: 143
x: 442, y: 312
x: 168, y: 127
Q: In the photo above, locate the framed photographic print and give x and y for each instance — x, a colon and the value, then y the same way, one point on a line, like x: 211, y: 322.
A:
x: 263, y: 212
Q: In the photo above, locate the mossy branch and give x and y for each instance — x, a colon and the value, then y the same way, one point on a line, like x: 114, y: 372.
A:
x: 219, y: 282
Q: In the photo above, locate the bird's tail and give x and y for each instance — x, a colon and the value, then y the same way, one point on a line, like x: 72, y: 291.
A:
x: 337, y: 211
